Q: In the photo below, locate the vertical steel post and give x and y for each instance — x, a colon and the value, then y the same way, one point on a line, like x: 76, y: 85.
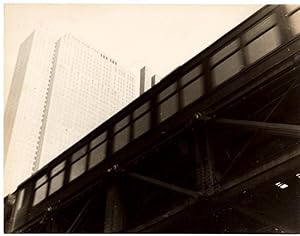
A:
x: 204, y: 171
x: 209, y: 160
x: 198, y: 155
x: 114, y: 221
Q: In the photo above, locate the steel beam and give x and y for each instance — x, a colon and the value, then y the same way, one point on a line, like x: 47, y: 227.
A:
x: 288, y: 130
x: 209, y: 161
x: 114, y: 221
x: 165, y: 185
x: 262, y: 219
x: 79, y: 216
x: 160, y: 218
x: 263, y: 172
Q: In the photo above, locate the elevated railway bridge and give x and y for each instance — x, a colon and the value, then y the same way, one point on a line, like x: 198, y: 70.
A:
x: 213, y: 148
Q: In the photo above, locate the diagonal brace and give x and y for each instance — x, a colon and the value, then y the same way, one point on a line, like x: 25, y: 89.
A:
x: 80, y: 215
x: 288, y: 130
x: 165, y: 185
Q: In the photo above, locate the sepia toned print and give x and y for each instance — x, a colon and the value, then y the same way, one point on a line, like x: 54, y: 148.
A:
x: 210, y: 146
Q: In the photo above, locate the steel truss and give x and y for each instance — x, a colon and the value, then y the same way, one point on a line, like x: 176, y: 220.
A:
x: 114, y: 212
x: 193, y: 165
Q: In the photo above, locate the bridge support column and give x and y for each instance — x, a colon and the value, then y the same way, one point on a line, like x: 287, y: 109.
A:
x: 204, y: 160
x: 114, y: 210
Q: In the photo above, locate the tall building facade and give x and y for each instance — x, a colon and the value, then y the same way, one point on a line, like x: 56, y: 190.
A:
x: 61, y: 90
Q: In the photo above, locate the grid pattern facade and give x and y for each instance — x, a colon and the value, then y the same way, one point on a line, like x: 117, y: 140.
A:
x: 68, y: 89
x: 88, y: 88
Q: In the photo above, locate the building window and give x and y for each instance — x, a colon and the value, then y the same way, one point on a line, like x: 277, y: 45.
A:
x: 99, y: 139
x: 141, y: 125
x: 192, y: 92
x: 295, y: 21
x: 263, y: 45
x: 41, y: 181
x: 168, y: 108
x: 260, y: 28
x: 40, y: 194
x: 167, y: 91
x: 56, y: 182
x: 40, y: 190
x: 78, y: 168
x: 224, y: 52
x: 57, y: 177
x: 121, y: 124
x: 58, y: 168
x: 142, y: 109
x: 121, y: 139
x: 79, y: 153
x: 97, y: 155
x: 227, y: 68
x: 192, y: 74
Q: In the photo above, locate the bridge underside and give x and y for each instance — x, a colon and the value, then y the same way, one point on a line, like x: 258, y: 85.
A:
x: 235, y: 171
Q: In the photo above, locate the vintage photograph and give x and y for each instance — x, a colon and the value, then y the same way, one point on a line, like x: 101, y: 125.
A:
x: 151, y: 118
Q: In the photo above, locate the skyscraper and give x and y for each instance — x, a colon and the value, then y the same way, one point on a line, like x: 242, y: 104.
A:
x: 61, y: 90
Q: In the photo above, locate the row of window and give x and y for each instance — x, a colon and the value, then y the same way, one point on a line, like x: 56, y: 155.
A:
x: 249, y: 47
x: 252, y: 45
x: 85, y: 159
x: 80, y: 162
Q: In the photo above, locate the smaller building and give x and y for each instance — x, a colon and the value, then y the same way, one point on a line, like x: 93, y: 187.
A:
x: 146, y: 80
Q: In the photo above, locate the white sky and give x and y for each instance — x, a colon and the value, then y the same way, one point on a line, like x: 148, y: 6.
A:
x: 161, y: 37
